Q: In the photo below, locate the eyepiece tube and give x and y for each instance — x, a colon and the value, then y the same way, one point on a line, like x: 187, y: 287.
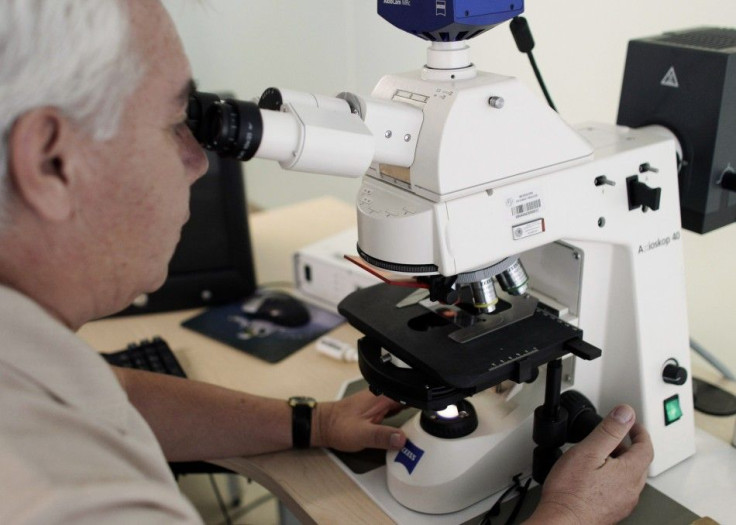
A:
x: 307, y: 132
x: 232, y: 128
x: 241, y: 130
x: 275, y: 99
x: 199, y: 103
x: 281, y: 136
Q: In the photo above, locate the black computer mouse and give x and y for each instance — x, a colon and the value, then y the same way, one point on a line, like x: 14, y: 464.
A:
x: 281, y: 309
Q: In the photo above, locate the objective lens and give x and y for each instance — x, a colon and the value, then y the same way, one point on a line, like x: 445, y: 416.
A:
x: 484, y: 295
x: 231, y: 128
x: 514, y: 280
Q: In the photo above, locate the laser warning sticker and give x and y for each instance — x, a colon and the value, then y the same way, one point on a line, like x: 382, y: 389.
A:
x: 409, y: 456
x: 670, y: 79
x: 522, y: 231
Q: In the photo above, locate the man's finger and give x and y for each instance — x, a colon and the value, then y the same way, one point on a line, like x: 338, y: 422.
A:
x: 609, y: 433
x: 641, y: 452
x: 387, y: 438
x: 380, y: 406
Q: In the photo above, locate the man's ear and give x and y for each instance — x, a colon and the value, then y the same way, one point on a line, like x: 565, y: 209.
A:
x: 41, y: 146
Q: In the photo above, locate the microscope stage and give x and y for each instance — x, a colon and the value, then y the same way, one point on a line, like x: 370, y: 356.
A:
x: 444, y: 370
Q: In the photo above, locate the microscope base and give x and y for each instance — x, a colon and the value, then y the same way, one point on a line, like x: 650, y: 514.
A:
x: 438, y: 476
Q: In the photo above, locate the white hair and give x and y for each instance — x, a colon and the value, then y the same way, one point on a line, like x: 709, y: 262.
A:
x: 75, y: 55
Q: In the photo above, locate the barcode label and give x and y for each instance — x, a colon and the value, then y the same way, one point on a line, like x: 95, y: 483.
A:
x: 526, y: 208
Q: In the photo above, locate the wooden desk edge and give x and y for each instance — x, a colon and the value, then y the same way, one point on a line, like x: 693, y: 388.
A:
x: 311, y: 485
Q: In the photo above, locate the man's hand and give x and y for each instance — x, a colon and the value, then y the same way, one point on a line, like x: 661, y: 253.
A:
x: 354, y: 423
x: 589, y: 485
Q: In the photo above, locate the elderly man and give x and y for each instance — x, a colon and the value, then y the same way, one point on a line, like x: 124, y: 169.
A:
x: 96, y: 162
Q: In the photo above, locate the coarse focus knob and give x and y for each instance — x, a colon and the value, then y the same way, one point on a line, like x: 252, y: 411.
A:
x: 582, y: 415
x: 674, y: 374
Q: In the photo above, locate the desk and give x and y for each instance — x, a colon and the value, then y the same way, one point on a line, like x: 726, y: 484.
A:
x: 290, y: 475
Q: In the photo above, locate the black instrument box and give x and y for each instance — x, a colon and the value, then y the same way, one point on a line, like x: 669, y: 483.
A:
x: 686, y: 81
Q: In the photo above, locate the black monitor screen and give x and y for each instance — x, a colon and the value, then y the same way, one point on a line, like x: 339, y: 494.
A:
x: 213, y: 263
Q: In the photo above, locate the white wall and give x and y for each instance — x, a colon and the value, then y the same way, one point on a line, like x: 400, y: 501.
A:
x: 328, y: 46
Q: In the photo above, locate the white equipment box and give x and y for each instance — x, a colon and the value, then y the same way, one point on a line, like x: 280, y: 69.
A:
x: 324, y: 276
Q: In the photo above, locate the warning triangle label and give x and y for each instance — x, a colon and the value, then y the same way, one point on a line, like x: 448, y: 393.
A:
x: 670, y: 78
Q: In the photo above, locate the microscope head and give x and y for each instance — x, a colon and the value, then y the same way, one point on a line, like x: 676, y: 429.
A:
x: 448, y: 20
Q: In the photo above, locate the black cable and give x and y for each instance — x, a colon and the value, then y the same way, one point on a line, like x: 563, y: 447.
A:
x: 542, y: 85
x: 519, y: 502
x: 525, y: 43
x: 496, y: 509
x: 220, y: 501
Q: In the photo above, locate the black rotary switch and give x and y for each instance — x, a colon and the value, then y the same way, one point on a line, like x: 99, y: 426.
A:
x: 642, y: 195
x: 728, y: 181
x: 674, y: 374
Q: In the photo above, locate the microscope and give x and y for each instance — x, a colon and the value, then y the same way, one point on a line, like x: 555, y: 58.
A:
x: 533, y: 270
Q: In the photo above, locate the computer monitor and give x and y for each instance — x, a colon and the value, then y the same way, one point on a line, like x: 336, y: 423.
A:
x: 213, y: 262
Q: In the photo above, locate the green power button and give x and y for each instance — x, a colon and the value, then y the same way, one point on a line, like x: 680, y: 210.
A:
x: 672, y: 410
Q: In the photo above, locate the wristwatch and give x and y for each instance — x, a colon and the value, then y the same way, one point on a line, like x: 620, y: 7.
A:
x: 301, y: 420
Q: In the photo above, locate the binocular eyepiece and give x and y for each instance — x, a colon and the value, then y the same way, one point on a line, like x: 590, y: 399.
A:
x: 231, y: 128
x: 340, y: 135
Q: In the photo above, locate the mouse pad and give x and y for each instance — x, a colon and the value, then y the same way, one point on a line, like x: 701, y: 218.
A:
x: 231, y: 325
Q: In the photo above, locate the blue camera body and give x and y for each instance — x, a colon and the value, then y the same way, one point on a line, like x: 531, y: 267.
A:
x: 448, y: 20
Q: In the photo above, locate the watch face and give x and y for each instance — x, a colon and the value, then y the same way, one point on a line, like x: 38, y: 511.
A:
x: 302, y: 400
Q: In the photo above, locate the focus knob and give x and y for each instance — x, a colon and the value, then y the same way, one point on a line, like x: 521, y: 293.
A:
x: 582, y: 415
x: 674, y: 374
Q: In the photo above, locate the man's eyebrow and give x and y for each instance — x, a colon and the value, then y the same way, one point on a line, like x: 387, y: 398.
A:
x: 183, y: 97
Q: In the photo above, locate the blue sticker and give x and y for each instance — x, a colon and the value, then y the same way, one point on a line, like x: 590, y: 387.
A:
x: 409, y: 456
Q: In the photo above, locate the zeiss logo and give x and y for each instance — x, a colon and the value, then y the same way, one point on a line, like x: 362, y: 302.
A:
x: 409, y: 456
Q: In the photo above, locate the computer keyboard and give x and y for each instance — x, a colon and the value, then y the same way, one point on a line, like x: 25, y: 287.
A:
x: 152, y: 355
